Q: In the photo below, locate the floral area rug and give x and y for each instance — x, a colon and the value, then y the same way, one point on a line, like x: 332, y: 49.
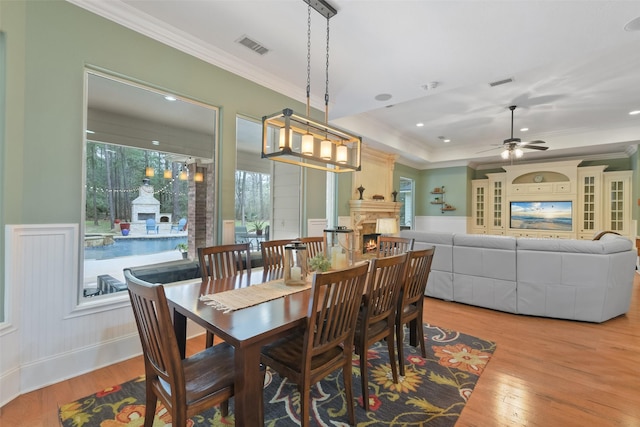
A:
x: 433, y: 392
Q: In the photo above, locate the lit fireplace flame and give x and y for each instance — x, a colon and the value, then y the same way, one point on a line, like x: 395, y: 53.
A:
x: 371, y: 246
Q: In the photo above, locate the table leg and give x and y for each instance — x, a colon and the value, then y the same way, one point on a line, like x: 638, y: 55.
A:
x: 180, y: 328
x: 249, y: 387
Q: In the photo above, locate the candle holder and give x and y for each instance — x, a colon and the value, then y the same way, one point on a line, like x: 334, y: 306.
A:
x: 295, y: 264
x: 339, y: 247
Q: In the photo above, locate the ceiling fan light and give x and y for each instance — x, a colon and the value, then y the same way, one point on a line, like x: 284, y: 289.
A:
x: 505, y: 154
x: 518, y: 152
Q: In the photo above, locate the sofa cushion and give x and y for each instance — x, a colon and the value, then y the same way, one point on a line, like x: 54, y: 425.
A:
x: 608, y: 244
x: 440, y: 283
x: 485, y: 241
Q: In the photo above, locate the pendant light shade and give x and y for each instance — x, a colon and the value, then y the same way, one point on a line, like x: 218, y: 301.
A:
x: 307, y: 144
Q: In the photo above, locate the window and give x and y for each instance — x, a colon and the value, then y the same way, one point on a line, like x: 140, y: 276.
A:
x: 406, y: 197
x: 146, y: 154
x: 253, y: 199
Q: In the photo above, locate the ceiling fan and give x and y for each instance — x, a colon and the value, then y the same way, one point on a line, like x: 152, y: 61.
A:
x: 513, y: 146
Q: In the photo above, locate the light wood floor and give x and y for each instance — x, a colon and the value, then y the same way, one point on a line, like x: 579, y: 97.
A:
x: 545, y: 372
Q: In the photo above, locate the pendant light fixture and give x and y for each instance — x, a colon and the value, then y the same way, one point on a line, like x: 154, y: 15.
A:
x: 300, y: 140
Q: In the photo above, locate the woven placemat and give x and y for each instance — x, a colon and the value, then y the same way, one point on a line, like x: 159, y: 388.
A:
x: 237, y: 299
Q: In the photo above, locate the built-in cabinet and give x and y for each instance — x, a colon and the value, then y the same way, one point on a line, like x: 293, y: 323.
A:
x: 479, y: 206
x: 597, y: 200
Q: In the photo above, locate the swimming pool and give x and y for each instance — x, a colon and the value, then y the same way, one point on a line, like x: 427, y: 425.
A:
x: 133, y: 246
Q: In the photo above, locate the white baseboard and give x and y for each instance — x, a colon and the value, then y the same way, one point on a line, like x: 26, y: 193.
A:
x: 64, y: 366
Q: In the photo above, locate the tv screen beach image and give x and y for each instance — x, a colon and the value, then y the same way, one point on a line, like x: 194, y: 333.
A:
x: 541, y: 215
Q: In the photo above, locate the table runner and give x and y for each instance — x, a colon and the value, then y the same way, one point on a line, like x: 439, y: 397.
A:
x: 237, y: 299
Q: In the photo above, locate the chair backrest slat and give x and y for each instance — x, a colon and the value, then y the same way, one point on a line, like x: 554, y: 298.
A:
x: 222, y: 261
x: 383, y: 288
x: 273, y: 253
x: 416, y: 275
x: 315, y: 245
x: 155, y: 327
x: 333, y: 308
x: 391, y: 245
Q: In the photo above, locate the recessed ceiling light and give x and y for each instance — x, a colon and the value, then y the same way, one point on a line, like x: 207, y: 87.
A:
x: 419, y: 124
x: 634, y: 112
x: 383, y: 97
x: 154, y: 142
x: 524, y: 129
x: 170, y: 98
x: 446, y: 140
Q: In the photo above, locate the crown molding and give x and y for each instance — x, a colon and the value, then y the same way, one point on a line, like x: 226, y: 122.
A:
x: 133, y: 19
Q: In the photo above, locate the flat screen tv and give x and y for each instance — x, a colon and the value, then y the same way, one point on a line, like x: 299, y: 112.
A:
x: 554, y: 216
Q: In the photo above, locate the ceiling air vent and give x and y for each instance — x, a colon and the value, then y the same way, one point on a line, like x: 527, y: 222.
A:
x: 253, y: 45
x: 500, y: 82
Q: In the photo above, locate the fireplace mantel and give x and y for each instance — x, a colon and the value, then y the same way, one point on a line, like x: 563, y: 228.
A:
x: 364, y: 214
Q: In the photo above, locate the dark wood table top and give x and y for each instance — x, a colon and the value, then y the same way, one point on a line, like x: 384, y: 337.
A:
x: 245, y: 326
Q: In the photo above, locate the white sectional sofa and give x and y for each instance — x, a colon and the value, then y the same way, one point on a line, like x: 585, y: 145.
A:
x: 567, y: 279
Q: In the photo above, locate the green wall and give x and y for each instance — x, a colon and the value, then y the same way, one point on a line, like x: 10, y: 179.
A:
x: 48, y: 46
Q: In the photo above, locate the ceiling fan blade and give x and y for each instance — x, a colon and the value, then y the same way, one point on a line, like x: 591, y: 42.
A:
x: 535, y: 147
x: 537, y: 141
x: 490, y: 149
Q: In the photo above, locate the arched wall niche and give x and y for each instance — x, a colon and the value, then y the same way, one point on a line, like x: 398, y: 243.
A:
x: 541, y: 176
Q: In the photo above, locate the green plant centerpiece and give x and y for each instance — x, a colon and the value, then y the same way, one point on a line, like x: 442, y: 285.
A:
x: 319, y: 263
x: 258, y: 225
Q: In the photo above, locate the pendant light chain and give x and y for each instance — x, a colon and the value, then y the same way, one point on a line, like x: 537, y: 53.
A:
x: 326, y: 92
x: 308, y: 58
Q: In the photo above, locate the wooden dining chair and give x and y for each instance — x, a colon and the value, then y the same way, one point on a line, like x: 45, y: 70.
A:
x: 411, y: 300
x: 273, y: 253
x: 315, y: 245
x: 185, y: 387
x: 392, y: 245
x: 221, y: 262
x: 326, y: 342
x: 376, y: 320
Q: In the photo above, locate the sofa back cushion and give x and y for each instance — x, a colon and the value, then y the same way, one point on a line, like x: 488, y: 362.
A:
x: 608, y: 244
x: 485, y: 256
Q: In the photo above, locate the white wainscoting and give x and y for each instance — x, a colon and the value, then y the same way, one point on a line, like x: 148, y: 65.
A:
x: 451, y: 224
x: 47, y: 337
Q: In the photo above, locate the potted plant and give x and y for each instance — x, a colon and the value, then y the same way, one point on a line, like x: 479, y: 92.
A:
x: 258, y: 226
x: 319, y: 263
x: 184, y: 249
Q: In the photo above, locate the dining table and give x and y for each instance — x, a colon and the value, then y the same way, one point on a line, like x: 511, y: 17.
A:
x: 246, y: 329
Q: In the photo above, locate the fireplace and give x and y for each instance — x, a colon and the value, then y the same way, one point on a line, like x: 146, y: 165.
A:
x: 364, y: 214
x: 370, y: 243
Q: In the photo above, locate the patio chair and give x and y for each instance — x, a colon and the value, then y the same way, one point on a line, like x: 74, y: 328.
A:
x: 185, y: 387
x: 180, y: 226
x: 151, y: 226
x: 325, y: 344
